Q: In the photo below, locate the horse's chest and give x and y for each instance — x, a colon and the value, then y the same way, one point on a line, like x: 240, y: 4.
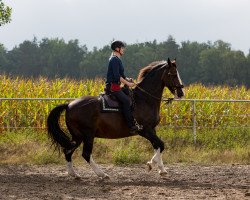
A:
x: 147, y: 116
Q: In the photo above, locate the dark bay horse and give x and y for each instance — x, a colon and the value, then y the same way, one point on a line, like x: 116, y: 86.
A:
x: 85, y: 121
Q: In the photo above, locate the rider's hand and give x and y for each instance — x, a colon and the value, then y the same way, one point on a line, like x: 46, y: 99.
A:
x: 131, y: 84
x: 129, y: 80
x: 126, y: 82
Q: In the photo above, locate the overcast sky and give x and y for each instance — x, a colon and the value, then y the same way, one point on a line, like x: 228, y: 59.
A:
x: 97, y: 22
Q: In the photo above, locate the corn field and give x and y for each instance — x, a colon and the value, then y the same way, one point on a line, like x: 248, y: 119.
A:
x: 30, y: 113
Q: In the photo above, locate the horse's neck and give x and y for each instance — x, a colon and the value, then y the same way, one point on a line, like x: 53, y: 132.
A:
x: 152, y: 93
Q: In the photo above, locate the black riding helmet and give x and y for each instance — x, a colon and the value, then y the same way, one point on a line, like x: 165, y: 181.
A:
x: 117, y: 44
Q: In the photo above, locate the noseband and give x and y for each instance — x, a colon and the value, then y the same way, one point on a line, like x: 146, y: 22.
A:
x: 172, y: 75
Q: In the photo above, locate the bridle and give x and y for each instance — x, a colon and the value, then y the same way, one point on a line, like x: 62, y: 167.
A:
x: 172, y: 75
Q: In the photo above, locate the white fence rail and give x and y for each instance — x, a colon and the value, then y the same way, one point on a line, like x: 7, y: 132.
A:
x: 10, y: 119
x: 195, y: 113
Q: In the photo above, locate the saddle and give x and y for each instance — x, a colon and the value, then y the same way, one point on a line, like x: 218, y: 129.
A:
x: 109, y: 103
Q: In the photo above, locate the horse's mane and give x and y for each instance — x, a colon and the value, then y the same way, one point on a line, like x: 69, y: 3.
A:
x: 144, y: 71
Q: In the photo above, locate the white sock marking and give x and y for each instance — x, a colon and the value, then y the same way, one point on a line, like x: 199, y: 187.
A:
x: 71, y: 170
x: 157, y: 159
x: 96, y: 169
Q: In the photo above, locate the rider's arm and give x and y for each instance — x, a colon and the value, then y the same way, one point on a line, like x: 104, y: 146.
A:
x: 124, y: 81
x: 115, y: 64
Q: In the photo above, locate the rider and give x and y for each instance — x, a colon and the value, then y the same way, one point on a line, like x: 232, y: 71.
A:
x: 115, y: 76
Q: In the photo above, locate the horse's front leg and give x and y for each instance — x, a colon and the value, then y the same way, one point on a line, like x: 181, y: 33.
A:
x: 158, y: 146
x: 157, y: 159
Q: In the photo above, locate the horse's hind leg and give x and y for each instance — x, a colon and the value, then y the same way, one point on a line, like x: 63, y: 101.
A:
x: 69, y: 152
x: 87, y: 155
x: 68, y: 156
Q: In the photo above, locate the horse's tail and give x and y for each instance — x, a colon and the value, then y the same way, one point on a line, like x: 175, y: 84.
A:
x: 57, y: 135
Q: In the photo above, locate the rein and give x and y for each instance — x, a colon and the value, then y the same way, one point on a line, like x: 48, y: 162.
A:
x: 168, y: 101
x: 147, y: 92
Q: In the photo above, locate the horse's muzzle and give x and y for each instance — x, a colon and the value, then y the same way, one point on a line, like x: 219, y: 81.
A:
x: 179, y: 92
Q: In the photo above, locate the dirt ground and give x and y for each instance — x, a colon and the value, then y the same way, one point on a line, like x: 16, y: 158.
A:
x: 133, y: 182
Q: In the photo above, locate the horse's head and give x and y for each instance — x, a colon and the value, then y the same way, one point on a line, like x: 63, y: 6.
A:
x: 160, y: 74
x: 172, y: 79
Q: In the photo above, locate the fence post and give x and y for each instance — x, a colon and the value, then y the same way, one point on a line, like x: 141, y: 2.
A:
x: 194, y: 120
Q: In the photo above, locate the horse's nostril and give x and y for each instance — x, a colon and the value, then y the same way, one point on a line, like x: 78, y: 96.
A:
x: 180, y: 93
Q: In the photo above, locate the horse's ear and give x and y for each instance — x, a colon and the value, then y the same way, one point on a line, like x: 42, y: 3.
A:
x: 174, y: 61
x: 169, y: 62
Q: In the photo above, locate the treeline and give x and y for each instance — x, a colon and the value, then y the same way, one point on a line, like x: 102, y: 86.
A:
x: 208, y: 63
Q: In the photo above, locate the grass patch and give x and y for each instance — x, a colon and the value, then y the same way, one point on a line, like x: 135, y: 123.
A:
x: 128, y: 151
x: 27, y: 147
x: 213, y: 146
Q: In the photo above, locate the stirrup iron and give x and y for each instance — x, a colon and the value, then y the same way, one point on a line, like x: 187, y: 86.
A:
x: 140, y: 127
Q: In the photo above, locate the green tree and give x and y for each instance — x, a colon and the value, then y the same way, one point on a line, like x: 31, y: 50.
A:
x: 211, y: 62
x: 234, y: 68
x: 59, y: 58
x: 3, y: 58
x: 168, y: 49
x: 207, y: 63
x: 188, y: 61
x: 5, y: 13
x: 138, y: 56
x: 74, y: 56
x: 25, y: 59
x: 95, y: 63
x: 247, y: 79
x: 220, y: 65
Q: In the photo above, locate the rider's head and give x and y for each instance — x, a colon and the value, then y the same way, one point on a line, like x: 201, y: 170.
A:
x: 118, y: 46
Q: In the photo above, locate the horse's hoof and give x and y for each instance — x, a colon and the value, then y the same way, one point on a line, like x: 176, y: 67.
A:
x: 74, y: 175
x: 149, y: 166
x: 163, y: 173
x: 105, y: 177
x: 77, y: 177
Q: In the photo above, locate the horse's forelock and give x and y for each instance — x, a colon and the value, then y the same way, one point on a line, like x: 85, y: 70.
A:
x: 144, y: 71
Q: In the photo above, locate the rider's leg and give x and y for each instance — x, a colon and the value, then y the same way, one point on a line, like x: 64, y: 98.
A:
x: 124, y: 99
